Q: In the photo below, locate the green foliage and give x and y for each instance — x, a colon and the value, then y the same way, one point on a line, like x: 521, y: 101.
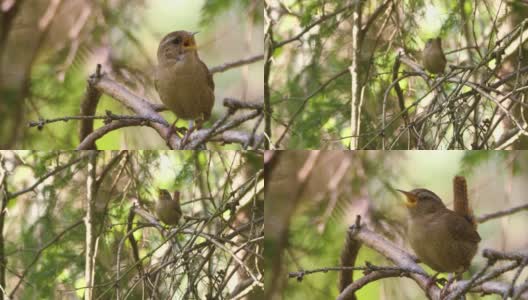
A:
x: 41, y: 243
x: 301, y: 66
x: 312, y: 249
x: 474, y: 159
x: 187, y: 169
x: 51, y: 95
x: 212, y: 9
x: 453, y: 20
x: 515, y: 161
x: 60, y: 256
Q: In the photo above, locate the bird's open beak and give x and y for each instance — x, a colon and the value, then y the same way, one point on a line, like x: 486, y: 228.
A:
x: 410, y: 198
x: 192, y: 47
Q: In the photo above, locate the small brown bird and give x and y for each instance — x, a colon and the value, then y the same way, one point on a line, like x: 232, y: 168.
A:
x: 442, y: 239
x: 182, y: 80
x: 167, y: 208
x: 433, y: 56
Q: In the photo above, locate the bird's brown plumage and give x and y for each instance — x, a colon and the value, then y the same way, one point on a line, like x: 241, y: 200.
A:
x: 442, y: 239
x: 433, y: 56
x: 168, y: 209
x: 182, y: 80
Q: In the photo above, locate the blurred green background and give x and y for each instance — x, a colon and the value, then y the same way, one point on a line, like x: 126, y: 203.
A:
x: 49, y: 48
x: 306, y: 224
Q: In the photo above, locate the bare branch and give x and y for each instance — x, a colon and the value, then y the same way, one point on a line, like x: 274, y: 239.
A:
x: 502, y: 213
x: 231, y: 65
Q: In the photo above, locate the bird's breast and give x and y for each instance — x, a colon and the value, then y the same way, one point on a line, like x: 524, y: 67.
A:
x: 435, y: 246
x: 183, y: 88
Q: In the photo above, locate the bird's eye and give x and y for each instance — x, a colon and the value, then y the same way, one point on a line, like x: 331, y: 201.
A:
x: 186, y: 44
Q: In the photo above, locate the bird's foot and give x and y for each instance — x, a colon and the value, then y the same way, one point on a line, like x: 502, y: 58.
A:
x: 432, y: 281
x: 174, y: 130
x: 442, y: 281
x: 199, y: 123
x: 445, y: 289
x: 186, y: 137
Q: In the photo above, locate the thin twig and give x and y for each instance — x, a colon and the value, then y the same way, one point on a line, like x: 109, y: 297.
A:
x: 502, y: 213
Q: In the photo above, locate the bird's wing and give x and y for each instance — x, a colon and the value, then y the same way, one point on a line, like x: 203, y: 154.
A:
x: 210, y: 81
x: 458, y: 227
x: 177, y: 208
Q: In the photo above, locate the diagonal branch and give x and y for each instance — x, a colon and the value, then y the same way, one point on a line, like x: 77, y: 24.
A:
x: 480, y: 282
x: 238, y: 63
